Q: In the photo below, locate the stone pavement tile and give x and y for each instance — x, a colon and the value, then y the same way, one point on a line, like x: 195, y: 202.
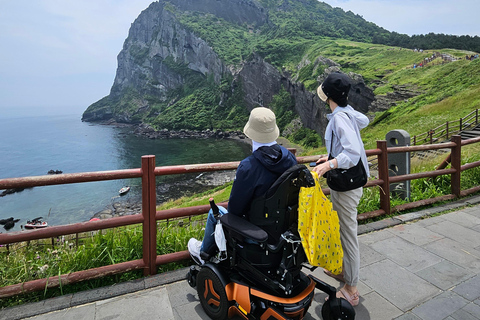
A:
x: 474, y: 211
x: 462, y: 218
x: 318, y: 273
x: 180, y: 293
x: 374, y: 237
x: 145, y: 304
x: 374, y: 307
x: 412, y: 216
x: 315, y: 310
x: 83, y: 312
x: 457, y: 253
x: 457, y: 232
x: 415, y: 234
x: 190, y: 311
x: 408, y: 316
x: 470, y: 312
x: 445, y: 275
x: 441, y: 306
x: 472, y: 309
x: 430, y: 221
x: 406, y: 254
x: 470, y: 289
x: 403, y: 289
x: 368, y: 255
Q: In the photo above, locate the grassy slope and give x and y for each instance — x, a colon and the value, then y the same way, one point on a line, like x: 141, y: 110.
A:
x: 447, y: 92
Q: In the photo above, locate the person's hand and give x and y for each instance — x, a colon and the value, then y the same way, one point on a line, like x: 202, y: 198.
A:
x: 322, y: 160
x: 322, y: 168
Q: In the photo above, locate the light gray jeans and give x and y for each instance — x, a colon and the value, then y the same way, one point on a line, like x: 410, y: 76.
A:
x: 345, y: 203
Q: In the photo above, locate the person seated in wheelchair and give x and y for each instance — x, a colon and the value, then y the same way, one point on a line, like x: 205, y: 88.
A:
x: 255, y: 174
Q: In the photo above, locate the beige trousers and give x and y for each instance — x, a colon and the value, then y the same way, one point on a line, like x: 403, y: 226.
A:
x: 345, y: 203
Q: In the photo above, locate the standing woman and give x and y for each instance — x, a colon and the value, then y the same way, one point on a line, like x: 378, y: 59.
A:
x: 345, y: 147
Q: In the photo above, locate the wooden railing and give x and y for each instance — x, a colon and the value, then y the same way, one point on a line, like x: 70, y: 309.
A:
x: 445, y: 131
x: 149, y: 216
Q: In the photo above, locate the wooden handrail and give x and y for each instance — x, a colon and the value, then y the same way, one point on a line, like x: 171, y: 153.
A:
x: 447, y: 130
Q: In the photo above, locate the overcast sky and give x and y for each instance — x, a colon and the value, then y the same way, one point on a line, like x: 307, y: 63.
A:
x: 59, y: 56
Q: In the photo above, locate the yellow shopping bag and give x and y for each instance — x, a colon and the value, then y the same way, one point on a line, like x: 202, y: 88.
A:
x: 319, y: 228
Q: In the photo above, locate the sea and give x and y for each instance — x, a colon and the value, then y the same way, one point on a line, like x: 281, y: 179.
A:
x: 32, y: 146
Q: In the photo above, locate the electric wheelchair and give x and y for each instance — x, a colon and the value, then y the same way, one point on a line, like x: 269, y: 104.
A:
x: 261, y: 276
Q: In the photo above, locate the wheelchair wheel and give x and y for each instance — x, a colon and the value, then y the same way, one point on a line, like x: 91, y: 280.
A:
x: 212, y: 294
x: 339, y: 309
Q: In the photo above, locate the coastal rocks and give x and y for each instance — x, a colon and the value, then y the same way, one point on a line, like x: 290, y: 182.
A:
x: 192, y: 184
x: 8, y: 223
x: 169, y: 190
x: 54, y: 172
x: 12, y: 191
x: 149, y: 132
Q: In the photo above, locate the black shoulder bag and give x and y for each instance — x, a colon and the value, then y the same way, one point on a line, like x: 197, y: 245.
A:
x: 346, y: 179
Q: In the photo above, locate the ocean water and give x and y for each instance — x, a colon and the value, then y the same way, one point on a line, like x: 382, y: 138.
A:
x: 31, y: 146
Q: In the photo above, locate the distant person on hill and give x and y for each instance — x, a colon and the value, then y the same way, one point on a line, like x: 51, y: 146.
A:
x: 255, y: 174
x: 344, y: 145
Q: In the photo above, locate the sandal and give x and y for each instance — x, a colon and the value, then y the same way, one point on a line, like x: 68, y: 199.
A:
x: 338, y: 277
x: 352, y: 299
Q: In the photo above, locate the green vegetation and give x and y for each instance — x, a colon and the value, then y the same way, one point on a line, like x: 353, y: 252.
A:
x: 42, y: 259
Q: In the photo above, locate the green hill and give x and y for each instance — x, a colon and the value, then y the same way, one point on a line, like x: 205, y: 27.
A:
x: 204, y: 64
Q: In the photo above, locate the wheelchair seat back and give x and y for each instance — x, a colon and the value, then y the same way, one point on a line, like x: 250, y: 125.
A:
x: 277, y: 211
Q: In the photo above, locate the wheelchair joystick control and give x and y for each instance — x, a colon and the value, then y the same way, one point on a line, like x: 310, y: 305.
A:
x: 214, y: 207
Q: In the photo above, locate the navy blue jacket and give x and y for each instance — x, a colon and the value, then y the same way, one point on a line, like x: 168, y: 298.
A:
x: 256, y: 174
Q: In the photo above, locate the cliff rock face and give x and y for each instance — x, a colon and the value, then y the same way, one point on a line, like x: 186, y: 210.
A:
x: 160, y: 53
x: 155, y: 36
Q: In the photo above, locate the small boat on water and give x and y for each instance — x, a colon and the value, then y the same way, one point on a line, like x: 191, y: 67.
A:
x: 36, y: 223
x: 124, y: 190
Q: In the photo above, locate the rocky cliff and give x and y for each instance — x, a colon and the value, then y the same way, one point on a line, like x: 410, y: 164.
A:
x: 163, y: 59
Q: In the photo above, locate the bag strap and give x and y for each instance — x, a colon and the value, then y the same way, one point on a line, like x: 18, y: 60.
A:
x: 355, y: 127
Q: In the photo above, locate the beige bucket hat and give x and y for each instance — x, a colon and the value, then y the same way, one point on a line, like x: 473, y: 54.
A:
x: 261, y: 126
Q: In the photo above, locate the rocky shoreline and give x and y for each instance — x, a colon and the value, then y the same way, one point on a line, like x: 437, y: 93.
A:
x: 149, y: 132
x: 167, y: 191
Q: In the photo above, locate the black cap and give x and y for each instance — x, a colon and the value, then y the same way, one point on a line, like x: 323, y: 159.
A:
x: 336, y: 87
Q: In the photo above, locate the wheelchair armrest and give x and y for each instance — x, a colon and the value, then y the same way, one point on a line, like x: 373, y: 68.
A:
x: 243, y: 227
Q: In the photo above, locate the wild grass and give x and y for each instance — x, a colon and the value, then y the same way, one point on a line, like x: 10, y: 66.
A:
x: 24, y: 262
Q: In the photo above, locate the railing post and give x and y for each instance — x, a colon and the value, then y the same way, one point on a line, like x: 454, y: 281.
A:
x: 456, y: 164
x: 383, y: 175
x: 149, y: 210
x: 447, y: 129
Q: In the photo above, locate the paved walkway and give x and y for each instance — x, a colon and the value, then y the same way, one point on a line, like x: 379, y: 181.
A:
x: 411, y: 268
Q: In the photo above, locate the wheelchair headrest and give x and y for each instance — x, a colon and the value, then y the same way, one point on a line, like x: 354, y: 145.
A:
x: 298, y: 175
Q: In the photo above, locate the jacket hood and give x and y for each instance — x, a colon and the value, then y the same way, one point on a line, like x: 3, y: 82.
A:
x: 274, y: 158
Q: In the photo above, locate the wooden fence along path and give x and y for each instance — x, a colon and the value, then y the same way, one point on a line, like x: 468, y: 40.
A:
x: 149, y: 216
x: 467, y: 127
